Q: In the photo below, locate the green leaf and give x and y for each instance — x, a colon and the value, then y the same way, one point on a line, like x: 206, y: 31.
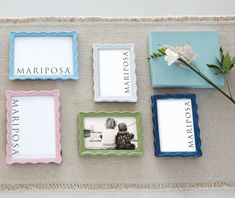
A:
x: 221, y: 53
x: 162, y: 50
x: 220, y: 64
x: 217, y: 69
x: 157, y: 54
x: 228, y: 63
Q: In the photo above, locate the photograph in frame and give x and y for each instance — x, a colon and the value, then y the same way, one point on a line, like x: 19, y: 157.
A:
x: 110, y: 133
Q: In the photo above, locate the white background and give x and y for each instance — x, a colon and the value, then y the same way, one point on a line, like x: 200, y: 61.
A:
x: 115, y: 7
x: 23, y: 8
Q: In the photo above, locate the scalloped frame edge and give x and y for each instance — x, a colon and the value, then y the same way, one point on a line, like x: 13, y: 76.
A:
x: 158, y: 152
x: 96, y: 152
x: 56, y: 94
x: 97, y: 96
x: 73, y: 34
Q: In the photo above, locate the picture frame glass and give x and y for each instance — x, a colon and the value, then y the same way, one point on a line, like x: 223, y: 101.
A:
x: 101, y: 132
x: 110, y: 133
x: 176, y: 127
x: 117, y: 62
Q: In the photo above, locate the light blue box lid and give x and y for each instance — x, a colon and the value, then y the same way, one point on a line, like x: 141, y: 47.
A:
x: 204, y: 43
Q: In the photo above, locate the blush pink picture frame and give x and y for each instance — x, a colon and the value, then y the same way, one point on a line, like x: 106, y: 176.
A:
x: 58, y: 157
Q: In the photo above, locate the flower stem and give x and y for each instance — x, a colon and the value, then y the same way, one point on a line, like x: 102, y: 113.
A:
x: 230, y: 93
x: 197, y: 71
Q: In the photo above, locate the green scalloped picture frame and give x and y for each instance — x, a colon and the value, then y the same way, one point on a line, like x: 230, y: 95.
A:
x: 139, y: 151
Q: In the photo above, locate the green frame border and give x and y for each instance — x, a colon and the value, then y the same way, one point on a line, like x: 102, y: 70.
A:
x: 136, y: 152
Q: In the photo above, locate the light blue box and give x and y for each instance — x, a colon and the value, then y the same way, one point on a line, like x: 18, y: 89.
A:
x: 204, y: 43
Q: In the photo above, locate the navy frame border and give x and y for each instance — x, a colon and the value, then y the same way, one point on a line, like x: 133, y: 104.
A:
x: 192, y: 97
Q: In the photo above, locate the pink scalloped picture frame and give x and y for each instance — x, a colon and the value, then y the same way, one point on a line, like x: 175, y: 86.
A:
x: 33, y: 127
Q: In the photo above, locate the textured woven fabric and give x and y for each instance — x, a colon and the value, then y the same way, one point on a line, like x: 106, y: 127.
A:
x: 216, y: 168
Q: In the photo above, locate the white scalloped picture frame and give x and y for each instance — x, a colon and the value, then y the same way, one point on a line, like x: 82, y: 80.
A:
x: 114, y: 73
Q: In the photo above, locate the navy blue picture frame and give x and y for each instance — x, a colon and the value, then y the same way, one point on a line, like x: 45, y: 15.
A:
x: 158, y: 152
x: 73, y: 34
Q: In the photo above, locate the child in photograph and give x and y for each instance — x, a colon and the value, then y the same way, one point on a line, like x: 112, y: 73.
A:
x: 109, y: 134
x: 123, y: 138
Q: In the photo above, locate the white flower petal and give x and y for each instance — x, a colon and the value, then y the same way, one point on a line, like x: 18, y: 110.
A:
x: 171, y: 57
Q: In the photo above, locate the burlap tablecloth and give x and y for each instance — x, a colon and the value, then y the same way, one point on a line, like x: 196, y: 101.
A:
x: 215, y: 169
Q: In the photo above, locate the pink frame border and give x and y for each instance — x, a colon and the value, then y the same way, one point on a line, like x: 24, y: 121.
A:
x: 56, y: 94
